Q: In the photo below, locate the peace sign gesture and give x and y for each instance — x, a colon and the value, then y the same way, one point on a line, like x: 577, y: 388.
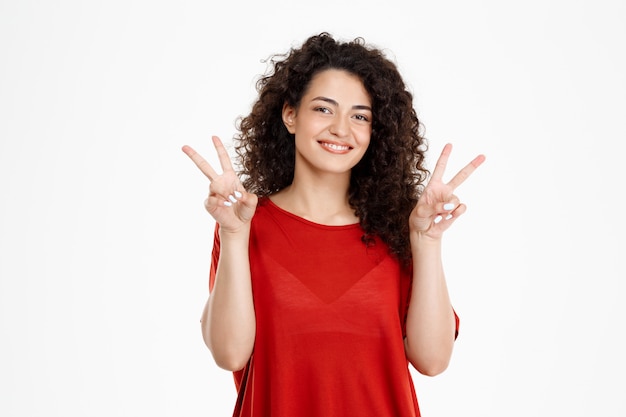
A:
x: 228, y: 202
x: 438, y: 207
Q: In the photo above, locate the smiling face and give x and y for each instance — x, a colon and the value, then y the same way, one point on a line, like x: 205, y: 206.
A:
x: 332, y: 125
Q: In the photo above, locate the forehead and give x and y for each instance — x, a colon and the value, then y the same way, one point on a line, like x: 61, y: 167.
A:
x: 334, y: 83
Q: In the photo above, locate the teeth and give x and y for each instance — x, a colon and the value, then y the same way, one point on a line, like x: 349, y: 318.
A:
x: 336, y: 147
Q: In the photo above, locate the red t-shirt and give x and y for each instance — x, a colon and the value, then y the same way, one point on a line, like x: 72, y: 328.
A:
x: 330, y: 317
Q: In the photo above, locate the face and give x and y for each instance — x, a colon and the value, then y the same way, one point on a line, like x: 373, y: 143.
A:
x: 332, y: 124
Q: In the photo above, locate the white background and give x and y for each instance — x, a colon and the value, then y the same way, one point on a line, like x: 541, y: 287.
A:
x: 104, y: 243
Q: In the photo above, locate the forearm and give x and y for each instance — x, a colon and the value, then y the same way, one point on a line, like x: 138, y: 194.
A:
x: 228, y: 319
x: 430, y: 326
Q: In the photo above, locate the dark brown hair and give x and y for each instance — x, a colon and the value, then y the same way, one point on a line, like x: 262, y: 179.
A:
x: 385, y: 185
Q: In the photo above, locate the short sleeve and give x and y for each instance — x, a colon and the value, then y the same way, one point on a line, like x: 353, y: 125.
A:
x: 215, y: 257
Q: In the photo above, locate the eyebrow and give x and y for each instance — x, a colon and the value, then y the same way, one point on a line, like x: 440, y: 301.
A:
x: 334, y: 102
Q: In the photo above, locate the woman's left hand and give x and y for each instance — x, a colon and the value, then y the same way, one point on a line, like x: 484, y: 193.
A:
x: 438, y: 207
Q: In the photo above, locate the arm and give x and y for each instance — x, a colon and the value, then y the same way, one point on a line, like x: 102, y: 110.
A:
x: 431, y: 322
x: 228, y: 321
x: 430, y: 325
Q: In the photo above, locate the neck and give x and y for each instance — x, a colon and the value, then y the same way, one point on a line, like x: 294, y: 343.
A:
x: 323, y: 200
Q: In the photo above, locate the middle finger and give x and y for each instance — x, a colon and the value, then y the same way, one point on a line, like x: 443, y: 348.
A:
x: 200, y: 162
x: 463, y: 174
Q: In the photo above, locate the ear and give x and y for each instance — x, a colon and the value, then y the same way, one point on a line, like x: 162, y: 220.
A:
x: 289, y: 118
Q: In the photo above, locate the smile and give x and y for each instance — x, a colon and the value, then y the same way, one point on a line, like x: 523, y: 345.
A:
x: 335, y: 147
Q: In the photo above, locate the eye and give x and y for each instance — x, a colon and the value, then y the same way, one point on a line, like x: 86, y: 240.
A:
x: 362, y: 117
x: 321, y: 109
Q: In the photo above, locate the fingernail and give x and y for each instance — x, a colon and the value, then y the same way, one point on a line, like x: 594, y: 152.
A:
x: 449, y: 216
x: 238, y: 194
x: 437, y: 219
x: 448, y: 206
x: 228, y: 203
x: 232, y: 199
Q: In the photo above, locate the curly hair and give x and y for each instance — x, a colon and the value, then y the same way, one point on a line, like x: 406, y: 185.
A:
x: 386, y: 184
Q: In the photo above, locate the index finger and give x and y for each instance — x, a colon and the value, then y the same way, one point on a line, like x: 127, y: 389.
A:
x: 222, y: 154
x: 200, y: 162
x: 440, y: 167
x: 463, y: 174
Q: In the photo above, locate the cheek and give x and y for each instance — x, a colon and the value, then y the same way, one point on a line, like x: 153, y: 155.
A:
x: 364, y: 146
x: 365, y: 138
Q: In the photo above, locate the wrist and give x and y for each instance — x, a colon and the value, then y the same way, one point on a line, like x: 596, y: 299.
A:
x: 241, y: 233
x: 420, y: 238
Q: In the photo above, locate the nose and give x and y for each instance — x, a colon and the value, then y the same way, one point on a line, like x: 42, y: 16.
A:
x: 339, y: 126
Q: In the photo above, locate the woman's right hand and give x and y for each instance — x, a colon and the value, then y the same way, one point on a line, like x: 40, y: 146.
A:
x: 228, y: 202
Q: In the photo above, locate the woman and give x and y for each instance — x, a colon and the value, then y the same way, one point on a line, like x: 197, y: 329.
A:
x: 327, y: 277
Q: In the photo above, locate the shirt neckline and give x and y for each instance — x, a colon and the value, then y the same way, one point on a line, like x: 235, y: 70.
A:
x: 309, y: 222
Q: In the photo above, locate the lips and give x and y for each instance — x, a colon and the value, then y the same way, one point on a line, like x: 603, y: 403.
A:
x: 335, y: 147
